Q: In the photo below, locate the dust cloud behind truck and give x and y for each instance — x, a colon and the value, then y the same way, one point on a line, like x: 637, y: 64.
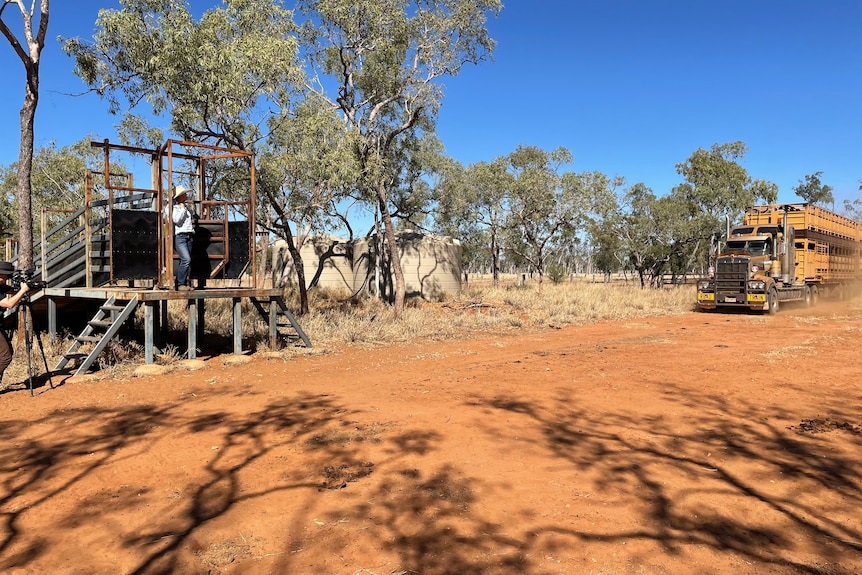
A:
x: 785, y: 253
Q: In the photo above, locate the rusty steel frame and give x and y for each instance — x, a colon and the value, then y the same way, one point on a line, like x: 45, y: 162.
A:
x: 163, y: 178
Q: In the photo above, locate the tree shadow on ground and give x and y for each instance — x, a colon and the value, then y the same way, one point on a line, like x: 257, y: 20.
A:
x: 429, y: 517
x: 43, y: 469
x: 729, y: 455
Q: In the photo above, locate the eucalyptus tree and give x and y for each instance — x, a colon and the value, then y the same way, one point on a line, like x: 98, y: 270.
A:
x: 853, y: 208
x: 472, y: 203
x: 306, y: 169
x: 217, y: 79
x: 544, y: 206
x: 601, y: 218
x: 716, y: 186
x: 648, y: 228
x: 412, y: 196
x: 380, y: 62
x: 226, y: 79
x: 677, y: 238
x: 638, y: 230
x: 813, y: 191
x: 30, y: 53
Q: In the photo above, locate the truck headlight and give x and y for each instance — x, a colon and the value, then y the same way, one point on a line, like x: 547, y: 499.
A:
x: 704, y: 285
x: 757, y: 285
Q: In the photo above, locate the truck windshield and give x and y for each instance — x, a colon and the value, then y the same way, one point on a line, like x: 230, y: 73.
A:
x: 753, y: 247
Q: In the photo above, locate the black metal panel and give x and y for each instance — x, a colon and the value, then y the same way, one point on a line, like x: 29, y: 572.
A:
x: 135, y: 244
x: 239, y: 249
x: 209, y: 248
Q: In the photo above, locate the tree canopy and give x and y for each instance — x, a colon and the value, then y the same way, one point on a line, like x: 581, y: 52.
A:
x: 217, y: 79
x: 813, y: 191
x: 386, y: 58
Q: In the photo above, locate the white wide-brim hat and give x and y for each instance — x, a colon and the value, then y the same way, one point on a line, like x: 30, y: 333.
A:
x: 180, y: 190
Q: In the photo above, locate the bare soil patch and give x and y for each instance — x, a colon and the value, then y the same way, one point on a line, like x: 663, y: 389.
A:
x: 695, y: 444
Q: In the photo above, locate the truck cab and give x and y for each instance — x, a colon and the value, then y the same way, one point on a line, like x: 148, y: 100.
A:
x: 785, y: 252
x: 755, y: 270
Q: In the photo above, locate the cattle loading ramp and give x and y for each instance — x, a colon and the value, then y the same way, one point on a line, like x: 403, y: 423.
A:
x: 114, y: 253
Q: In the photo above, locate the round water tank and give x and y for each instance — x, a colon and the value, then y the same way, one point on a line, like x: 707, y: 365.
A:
x: 431, y: 266
x: 325, y: 259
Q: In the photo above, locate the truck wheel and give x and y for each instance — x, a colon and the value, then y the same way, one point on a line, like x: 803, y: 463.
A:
x: 772, y: 301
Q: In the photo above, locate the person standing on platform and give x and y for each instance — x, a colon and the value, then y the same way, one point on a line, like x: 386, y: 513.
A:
x: 184, y: 236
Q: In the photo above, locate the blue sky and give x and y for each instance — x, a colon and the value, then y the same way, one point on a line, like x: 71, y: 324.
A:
x: 631, y: 87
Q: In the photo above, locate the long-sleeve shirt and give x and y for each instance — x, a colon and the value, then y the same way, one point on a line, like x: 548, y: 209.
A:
x: 183, y: 221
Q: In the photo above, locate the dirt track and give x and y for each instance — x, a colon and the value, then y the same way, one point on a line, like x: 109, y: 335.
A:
x: 701, y: 443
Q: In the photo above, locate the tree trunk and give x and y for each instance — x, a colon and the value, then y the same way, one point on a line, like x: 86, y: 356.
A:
x: 495, y: 258
x: 30, y: 59
x: 693, y: 255
x: 299, y: 267
x: 300, y: 277
x: 24, y: 185
x: 394, y: 256
x: 23, y: 189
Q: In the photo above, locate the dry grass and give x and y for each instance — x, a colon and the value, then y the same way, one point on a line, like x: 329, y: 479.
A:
x: 337, y: 320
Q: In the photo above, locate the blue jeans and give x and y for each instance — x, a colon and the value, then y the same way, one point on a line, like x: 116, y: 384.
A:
x: 183, y: 248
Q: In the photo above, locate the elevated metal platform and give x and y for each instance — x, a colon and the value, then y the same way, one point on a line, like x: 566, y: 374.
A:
x: 119, y: 305
x: 121, y: 237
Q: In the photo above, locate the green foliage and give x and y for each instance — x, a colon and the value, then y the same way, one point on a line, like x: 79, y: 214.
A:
x: 814, y: 192
x: 216, y: 78
x: 557, y: 273
x: 472, y: 205
x: 716, y: 186
x: 853, y: 209
x: 307, y: 166
x: 386, y: 58
x: 544, y: 205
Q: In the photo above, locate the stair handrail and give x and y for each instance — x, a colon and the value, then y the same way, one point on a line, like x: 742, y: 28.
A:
x: 57, y: 240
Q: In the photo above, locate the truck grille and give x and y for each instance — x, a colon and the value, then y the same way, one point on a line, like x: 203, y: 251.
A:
x: 731, y: 275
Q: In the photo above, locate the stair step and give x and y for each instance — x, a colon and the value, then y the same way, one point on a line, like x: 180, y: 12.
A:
x: 88, y: 339
x: 74, y: 355
x: 112, y: 307
x: 98, y: 323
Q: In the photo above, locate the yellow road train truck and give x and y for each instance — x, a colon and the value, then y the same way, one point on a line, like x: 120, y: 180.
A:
x: 784, y: 253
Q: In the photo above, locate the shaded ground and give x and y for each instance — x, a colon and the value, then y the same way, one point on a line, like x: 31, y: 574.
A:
x: 702, y: 443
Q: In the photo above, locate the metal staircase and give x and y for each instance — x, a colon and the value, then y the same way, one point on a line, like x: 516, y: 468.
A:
x: 284, y: 323
x: 99, y: 331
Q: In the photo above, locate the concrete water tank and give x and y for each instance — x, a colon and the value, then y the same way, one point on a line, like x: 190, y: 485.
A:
x: 326, y: 259
x: 431, y: 266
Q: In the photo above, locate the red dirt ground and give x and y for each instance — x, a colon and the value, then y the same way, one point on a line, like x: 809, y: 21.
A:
x: 695, y: 444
